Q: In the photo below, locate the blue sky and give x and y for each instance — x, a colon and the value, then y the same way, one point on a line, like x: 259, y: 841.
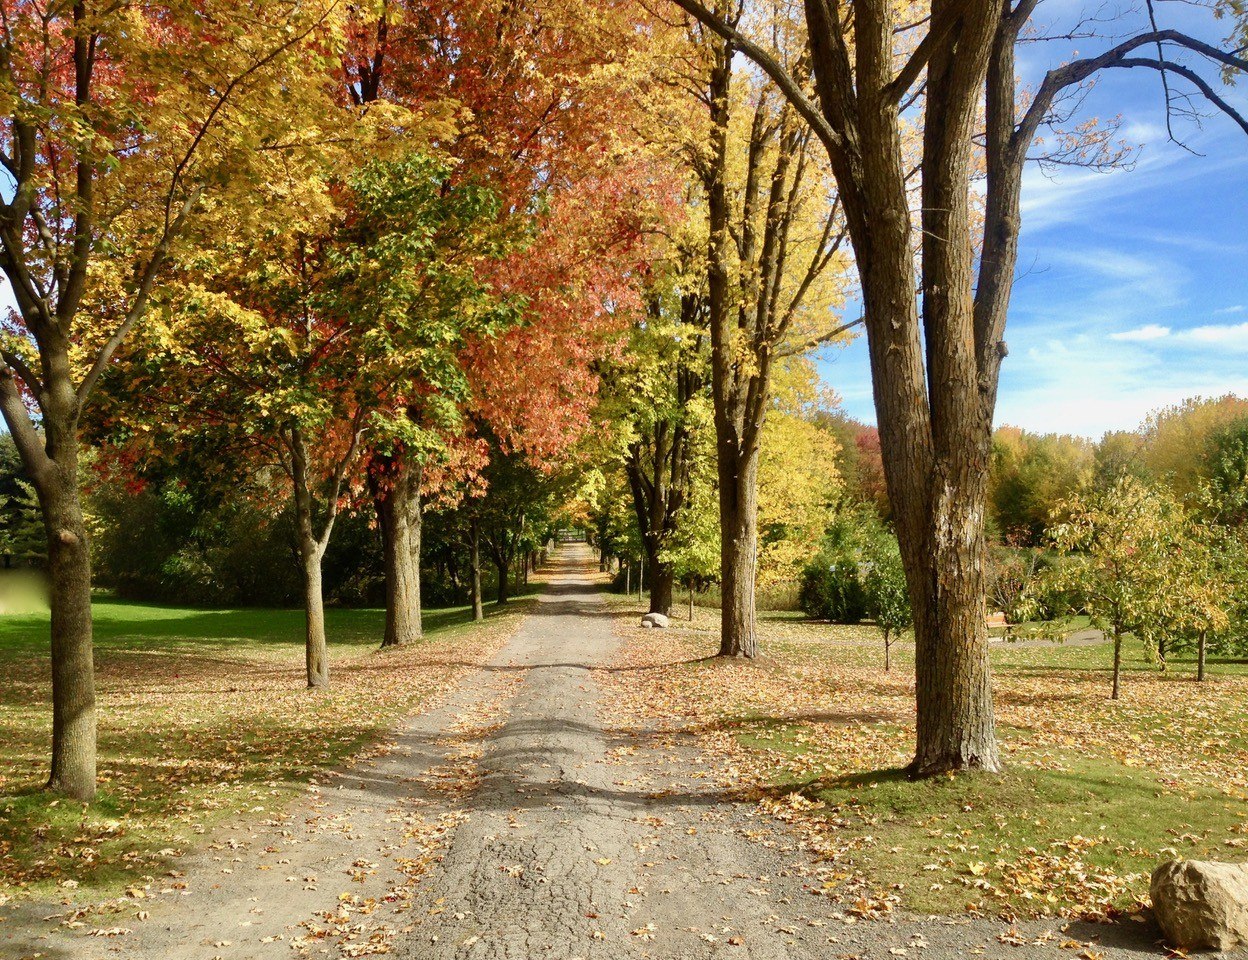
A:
x: 1132, y: 286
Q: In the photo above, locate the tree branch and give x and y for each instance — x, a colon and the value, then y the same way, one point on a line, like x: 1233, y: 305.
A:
x: 794, y: 349
x: 788, y: 86
x: 139, y: 306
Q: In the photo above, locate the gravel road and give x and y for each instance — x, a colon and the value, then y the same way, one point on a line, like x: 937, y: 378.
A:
x: 510, y: 822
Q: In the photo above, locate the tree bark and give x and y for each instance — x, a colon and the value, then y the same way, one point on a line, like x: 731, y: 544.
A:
x: 504, y: 571
x: 738, y: 517
x: 474, y: 559
x: 1117, y: 687
x: 887, y: 650
x: 316, y: 650
x: 662, y: 579
x: 73, y: 667
x: 311, y: 550
x: 396, y: 498
x: 1200, y: 657
x: 51, y: 462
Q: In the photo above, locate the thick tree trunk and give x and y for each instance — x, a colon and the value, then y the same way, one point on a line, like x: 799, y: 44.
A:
x: 73, y: 668
x: 396, y: 498
x: 953, y: 679
x: 474, y: 559
x: 738, y: 518
x: 662, y: 580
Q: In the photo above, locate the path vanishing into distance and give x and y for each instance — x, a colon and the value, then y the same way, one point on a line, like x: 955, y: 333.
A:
x: 509, y: 821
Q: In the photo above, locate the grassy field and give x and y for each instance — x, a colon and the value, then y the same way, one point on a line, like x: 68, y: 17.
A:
x: 203, y: 714
x: 1095, y: 793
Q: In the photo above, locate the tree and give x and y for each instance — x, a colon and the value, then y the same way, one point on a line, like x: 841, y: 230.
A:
x: 1176, y: 440
x: 774, y: 265
x: 335, y: 322
x: 112, y: 147
x: 1030, y: 474
x: 512, y: 515
x: 655, y: 399
x: 532, y: 95
x: 1127, y: 548
x: 888, y: 601
x: 936, y: 358
x: 21, y: 527
x: 798, y: 489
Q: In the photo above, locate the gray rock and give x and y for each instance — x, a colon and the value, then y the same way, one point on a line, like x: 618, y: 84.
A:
x: 1202, y: 904
x: 655, y: 620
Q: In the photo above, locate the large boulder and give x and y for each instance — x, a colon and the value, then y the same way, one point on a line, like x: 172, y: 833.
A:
x: 1202, y: 905
x: 655, y: 620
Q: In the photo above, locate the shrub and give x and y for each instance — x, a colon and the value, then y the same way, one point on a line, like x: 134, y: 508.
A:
x: 832, y: 589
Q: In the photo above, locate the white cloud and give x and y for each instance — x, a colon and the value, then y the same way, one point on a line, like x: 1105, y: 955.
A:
x: 1150, y: 331
x: 1233, y: 337
x: 1238, y: 308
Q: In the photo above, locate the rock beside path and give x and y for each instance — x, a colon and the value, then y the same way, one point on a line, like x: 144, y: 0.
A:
x: 655, y: 620
x: 1202, y: 904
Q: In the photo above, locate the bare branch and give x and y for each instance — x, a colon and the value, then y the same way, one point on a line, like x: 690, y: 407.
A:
x: 1119, y: 56
x: 794, y: 349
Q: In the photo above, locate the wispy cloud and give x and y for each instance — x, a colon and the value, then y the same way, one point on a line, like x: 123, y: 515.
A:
x: 1150, y: 331
x: 1226, y: 337
x: 1238, y: 308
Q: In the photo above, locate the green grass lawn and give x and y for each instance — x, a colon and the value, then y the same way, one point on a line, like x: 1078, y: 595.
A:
x: 203, y: 714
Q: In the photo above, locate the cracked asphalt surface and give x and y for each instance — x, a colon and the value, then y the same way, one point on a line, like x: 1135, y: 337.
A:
x: 510, y: 822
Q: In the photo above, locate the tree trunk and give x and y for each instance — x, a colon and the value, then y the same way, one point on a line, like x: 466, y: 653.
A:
x: 316, y: 650
x: 504, y: 571
x: 1117, y: 664
x: 50, y: 459
x: 887, y: 647
x: 396, y: 499
x: 1200, y: 657
x: 311, y: 550
x: 956, y: 727
x: 662, y: 580
x: 738, y: 518
x: 691, y: 603
x: 73, y: 668
x: 474, y: 559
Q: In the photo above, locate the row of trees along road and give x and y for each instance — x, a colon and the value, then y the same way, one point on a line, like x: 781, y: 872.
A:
x: 471, y: 265
x: 213, y: 229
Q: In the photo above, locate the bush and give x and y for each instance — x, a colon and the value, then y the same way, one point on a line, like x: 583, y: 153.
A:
x: 833, y: 590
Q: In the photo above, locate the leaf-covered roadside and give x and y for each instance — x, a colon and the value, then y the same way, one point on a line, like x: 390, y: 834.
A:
x: 198, y: 728
x: 1095, y: 793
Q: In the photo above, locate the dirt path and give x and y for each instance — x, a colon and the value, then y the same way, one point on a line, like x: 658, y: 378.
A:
x: 509, y: 823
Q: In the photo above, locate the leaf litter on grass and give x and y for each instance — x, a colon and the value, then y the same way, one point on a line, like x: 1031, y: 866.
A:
x: 817, y: 735
x: 189, y: 736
